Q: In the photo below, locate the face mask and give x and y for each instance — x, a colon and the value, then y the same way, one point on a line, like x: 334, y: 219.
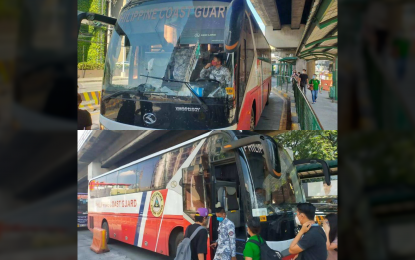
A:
x: 297, y: 220
x: 214, y: 63
x: 220, y: 219
x: 314, y: 77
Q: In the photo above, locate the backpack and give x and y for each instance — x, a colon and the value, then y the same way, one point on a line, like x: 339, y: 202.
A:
x: 266, y: 252
x: 183, y: 250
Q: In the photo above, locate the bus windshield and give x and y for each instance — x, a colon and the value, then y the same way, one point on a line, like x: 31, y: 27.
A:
x: 159, y: 51
x: 274, y: 195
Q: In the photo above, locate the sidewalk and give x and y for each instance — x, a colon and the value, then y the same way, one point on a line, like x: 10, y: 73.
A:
x: 99, y: 79
x: 325, y: 109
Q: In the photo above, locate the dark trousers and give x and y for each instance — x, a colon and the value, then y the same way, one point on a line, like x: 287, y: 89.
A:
x: 302, y: 86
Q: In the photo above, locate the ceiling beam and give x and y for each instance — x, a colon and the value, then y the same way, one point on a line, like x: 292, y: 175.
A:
x: 319, y: 47
x: 327, y: 22
x: 268, y: 12
x: 321, y: 40
x: 297, y: 9
x: 313, y: 22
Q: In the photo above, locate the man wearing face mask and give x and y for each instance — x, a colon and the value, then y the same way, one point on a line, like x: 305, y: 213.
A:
x: 310, y: 242
x: 226, y: 245
x: 216, y: 71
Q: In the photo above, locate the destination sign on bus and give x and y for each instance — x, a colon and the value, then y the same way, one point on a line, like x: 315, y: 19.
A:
x: 174, y: 12
x: 254, y: 148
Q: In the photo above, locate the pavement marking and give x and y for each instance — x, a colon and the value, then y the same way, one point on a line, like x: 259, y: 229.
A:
x: 293, y: 114
x: 283, y: 120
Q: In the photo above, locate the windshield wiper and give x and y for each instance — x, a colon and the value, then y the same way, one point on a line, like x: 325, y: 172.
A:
x: 201, y: 102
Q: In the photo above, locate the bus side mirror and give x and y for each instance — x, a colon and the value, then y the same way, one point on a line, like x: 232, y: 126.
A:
x: 271, y: 155
x: 325, y: 167
x: 233, y: 25
x: 94, y: 17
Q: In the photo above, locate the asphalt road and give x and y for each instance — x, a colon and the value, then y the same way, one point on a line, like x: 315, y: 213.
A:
x: 118, y: 250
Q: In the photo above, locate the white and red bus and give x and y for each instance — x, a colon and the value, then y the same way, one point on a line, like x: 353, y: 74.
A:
x: 150, y: 202
x: 152, y: 77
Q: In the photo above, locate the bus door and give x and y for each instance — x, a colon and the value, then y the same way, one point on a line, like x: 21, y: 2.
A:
x: 226, y: 193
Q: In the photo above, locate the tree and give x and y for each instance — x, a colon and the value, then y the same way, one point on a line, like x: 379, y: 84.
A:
x: 309, y: 144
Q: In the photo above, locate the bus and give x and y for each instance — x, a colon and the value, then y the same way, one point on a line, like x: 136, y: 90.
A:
x: 82, y: 200
x: 149, y: 202
x: 153, y: 75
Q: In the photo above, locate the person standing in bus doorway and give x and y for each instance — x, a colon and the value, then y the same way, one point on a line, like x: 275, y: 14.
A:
x: 330, y: 228
x: 216, y: 71
x: 303, y: 82
x: 226, y: 245
x: 84, y: 117
x: 314, y: 82
x: 310, y: 242
x: 198, y: 246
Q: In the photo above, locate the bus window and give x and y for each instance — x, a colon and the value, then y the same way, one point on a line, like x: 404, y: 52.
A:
x: 111, y: 185
x: 176, y: 158
x: 273, y: 195
x: 216, y: 143
x: 195, y: 180
x: 127, y: 180
x: 149, y: 177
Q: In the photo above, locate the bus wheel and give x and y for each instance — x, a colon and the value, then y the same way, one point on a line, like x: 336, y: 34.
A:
x: 252, y: 124
x: 174, y: 241
x: 107, y: 232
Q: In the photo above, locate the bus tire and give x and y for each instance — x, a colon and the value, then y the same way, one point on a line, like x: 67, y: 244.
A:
x: 252, y: 120
x: 174, y: 241
x: 107, y: 232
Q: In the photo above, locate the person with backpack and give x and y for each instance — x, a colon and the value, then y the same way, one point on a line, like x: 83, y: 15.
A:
x: 310, y: 242
x: 256, y: 247
x: 226, y: 244
x: 194, y: 244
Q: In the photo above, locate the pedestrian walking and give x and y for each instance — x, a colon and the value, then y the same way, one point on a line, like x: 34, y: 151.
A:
x: 310, y: 242
x: 252, y: 250
x: 314, y: 87
x: 330, y: 228
x: 304, y: 78
x: 225, y: 245
x: 198, y: 244
x: 84, y: 117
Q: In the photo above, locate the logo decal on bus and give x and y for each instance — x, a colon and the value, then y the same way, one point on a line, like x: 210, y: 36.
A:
x: 157, y: 204
x: 149, y: 118
x: 190, y: 109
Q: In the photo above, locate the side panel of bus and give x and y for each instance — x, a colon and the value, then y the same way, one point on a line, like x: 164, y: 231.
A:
x: 136, y: 223
x: 258, y: 82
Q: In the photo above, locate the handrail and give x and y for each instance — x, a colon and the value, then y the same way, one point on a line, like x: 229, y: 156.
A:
x: 307, y: 117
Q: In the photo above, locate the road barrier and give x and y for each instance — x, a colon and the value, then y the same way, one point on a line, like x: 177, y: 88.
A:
x: 306, y: 116
x: 99, y: 244
x: 90, y: 100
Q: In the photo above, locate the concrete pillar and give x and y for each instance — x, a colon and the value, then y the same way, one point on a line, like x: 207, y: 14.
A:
x: 300, y: 65
x: 94, y: 169
x: 311, y: 68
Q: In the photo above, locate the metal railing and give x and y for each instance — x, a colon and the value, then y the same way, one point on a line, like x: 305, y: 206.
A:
x: 281, y: 80
x: 306, y: 116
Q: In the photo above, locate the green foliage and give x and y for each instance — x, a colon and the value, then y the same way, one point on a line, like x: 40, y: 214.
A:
x: 90, y: 66
x: 92, y: 40
x: 308, y: 144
